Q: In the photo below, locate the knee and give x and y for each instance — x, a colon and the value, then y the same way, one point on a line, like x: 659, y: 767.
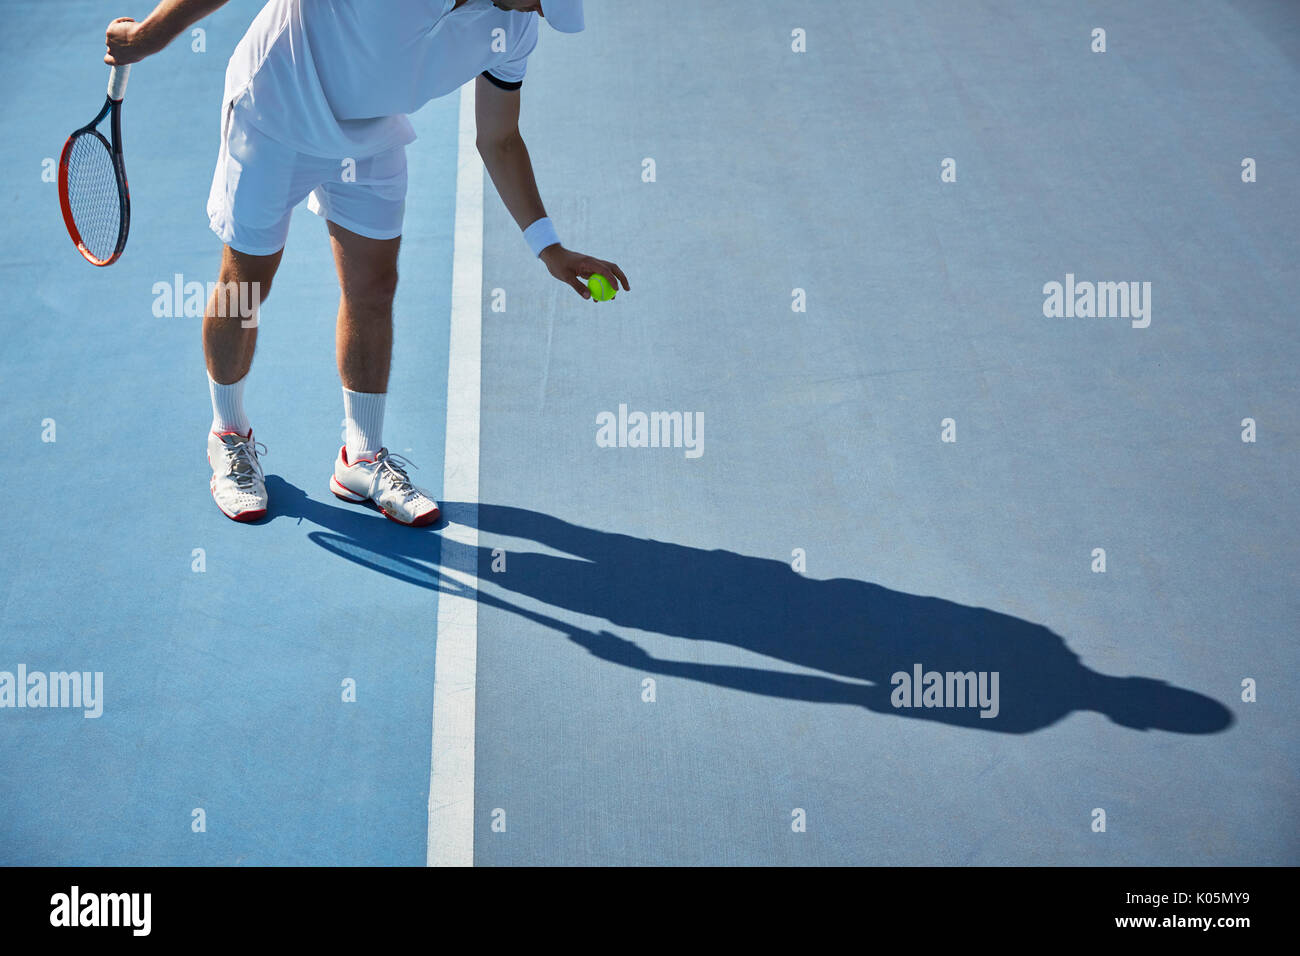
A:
x: 237, y: 294
x: 241, y: 287
x: 246, y: 278
x: 373, y: 290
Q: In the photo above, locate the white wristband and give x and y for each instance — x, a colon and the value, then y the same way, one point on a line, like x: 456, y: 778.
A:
x: 540, y: 235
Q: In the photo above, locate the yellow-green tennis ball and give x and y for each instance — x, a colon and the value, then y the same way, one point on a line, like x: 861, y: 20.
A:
x: 600, y: 288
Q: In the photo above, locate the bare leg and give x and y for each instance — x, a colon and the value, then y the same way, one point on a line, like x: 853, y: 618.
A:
x: 368, y: 278
x: 229, y: 337
x: 367, y: 271
x: 230, y: 323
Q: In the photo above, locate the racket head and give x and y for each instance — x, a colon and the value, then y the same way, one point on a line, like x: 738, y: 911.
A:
x: 93, y: 196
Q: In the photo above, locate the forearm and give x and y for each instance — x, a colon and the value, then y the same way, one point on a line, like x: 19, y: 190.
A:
x: 508, y: 164
x: 169, y: 19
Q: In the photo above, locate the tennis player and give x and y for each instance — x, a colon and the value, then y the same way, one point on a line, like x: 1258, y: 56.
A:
x: 315, y: 106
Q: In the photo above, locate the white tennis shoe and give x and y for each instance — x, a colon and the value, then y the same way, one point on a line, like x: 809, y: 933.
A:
x: 383, y: 480
x: 238, y: 485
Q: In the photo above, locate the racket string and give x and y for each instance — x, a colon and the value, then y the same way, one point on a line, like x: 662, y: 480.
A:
x: 93, y: 196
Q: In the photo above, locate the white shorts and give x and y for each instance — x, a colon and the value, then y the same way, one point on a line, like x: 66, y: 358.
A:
x: 258, y: 182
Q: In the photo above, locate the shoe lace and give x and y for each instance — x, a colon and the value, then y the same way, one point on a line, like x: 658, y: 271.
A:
x: 243, y: 463
x: 393, y: 467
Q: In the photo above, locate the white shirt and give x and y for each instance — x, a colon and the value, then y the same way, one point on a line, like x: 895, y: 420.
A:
x: 336, y: 78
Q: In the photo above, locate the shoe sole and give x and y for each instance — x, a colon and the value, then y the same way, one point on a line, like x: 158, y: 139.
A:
x: 344, y: 494
x: 245, y: 516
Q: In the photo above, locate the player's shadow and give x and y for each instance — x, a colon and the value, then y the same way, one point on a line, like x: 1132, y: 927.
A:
x: 857, y: 635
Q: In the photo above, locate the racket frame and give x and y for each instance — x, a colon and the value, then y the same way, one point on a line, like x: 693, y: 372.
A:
x: 112, y: 104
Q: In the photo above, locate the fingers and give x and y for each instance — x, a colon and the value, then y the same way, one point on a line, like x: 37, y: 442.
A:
x: 608, y: 269
x: 116, y: 41
x: 579, y: 287
x: 617, y: 273
x: 115, y: 33
x: 578, y: 269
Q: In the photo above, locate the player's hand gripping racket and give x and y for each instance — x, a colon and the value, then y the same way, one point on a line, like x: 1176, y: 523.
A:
x: 92, y: 182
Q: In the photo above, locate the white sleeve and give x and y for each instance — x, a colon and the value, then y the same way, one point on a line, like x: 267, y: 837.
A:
x: 509, y: 74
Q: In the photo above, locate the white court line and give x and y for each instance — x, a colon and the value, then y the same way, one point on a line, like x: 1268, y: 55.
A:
x: 451, y: 772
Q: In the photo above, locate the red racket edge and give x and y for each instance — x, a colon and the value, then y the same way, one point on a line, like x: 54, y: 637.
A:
x: 65, y: 205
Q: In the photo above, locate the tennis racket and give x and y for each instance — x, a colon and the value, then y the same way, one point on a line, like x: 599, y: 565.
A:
x: 92, y: 182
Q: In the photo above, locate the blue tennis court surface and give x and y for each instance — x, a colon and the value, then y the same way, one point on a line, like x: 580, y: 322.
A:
x: 876, y: 456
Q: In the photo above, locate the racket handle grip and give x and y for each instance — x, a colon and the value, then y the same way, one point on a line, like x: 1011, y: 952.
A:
x: 117, y: 82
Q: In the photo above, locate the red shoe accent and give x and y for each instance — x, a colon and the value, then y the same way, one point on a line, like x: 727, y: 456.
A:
x: 428, y: 518
x: 340, y: 491
x: 255, y: 515
x: 344, y: 494
x: 343, y: 453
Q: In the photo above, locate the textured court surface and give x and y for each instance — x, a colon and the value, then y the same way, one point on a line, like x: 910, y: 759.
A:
x: 823, y: 432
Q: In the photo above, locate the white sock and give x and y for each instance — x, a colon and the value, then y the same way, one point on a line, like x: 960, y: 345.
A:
x: 228, y: 406
x: 363, y: 414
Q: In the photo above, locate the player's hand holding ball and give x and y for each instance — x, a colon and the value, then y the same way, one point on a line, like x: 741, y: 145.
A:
x: 571, y: 267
